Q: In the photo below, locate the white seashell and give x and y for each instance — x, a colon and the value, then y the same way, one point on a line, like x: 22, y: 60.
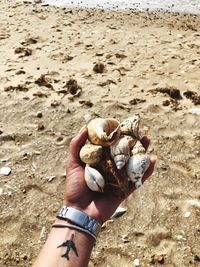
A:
x: 120, y: 150
x: 119, y: 212
x: 130, y: 126
x: 138, y: 148
x: 91, y: 154
x: 136, y: 167
x: 94, y: 179
x: 120, y: 160
x: 103, y: 131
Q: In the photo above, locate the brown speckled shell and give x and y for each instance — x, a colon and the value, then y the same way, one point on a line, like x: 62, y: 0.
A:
x: 91, y: 154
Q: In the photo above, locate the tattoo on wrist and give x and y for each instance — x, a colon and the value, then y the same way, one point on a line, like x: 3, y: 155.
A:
x: 70, y: 245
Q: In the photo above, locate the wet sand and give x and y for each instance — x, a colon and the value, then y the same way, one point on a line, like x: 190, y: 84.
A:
x: 151, y: 67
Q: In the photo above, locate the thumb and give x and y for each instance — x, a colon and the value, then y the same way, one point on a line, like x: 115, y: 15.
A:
x: 75, y: 146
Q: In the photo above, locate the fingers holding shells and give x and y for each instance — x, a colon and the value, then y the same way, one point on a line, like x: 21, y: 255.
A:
x: 145, y: 141
x: 115, y: 151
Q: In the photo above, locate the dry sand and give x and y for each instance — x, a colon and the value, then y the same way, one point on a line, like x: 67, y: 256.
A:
x: 146, y: 57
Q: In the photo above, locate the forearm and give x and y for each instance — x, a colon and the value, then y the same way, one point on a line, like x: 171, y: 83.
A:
x: 54, y: 254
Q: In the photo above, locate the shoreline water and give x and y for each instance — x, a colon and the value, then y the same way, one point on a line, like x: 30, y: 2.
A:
x: 186, y: 6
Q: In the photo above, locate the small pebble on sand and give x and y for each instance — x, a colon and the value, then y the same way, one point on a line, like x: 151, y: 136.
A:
x: 136, y: 262
x: 5, y: 171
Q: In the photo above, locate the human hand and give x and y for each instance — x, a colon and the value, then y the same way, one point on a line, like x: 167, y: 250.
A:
x: 78, y: 195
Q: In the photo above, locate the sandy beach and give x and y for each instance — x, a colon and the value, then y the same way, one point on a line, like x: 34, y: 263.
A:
x: 149, y: 64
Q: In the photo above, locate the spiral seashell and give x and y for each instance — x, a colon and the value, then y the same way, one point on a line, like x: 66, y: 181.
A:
x: 138, y: 149
x: 120, y: 160
x: 91, y: 154
x: 120, y: 150
x: 130, y: 126
x: 94, y: 179
x: 136, y: 167
x: 103, y: 131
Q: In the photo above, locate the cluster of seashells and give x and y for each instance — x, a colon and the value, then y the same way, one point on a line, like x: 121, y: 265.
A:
x: 114, y: 155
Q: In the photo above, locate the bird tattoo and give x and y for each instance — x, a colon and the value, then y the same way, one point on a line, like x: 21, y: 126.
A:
x: 70, y: 245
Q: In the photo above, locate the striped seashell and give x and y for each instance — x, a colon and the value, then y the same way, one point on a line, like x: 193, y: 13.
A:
x: 120, y: 150
x: 130, y: 126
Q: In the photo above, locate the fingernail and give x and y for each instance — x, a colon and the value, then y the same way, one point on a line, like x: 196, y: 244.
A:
x: 83, y: 128
x: 148, y: 136
x: 154, y: 157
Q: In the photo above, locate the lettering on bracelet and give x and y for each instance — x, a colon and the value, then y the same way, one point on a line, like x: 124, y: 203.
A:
x: 70, y: 245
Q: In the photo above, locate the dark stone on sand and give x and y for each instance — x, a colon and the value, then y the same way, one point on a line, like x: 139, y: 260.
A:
x: 166, y: 103
x: 120, y: 55
x: 55, y: 103
x: 43, y: 81
x: 67, y: 58
x: 39, y: 115
x: 23, y: 51
x: 99, y: 54
x: 175, y: 105
x: 73, y: 87
x: 62, y: 91
x: 7, y: 138
x: 107, y: 82
x: 99, y: 68
x: 19, y: 87
x: 59, y: 139
x: 39, y: 94
x: 40, y: 127
x: 25, y: 257
x: 193, y: 96
x: 157, y: 259
x: 136, y: 101
x: 171, y: 91
x: 197, y: 258
x: 86, y: 103
x: 19, y: 72
x: 29, y: 41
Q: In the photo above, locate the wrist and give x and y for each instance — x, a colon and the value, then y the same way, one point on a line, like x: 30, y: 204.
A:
x: 67, y: 226
x: 94, y: 214
x: 75, y: 218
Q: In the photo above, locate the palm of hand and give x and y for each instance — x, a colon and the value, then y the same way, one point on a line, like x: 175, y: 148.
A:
x: 78, y: 195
